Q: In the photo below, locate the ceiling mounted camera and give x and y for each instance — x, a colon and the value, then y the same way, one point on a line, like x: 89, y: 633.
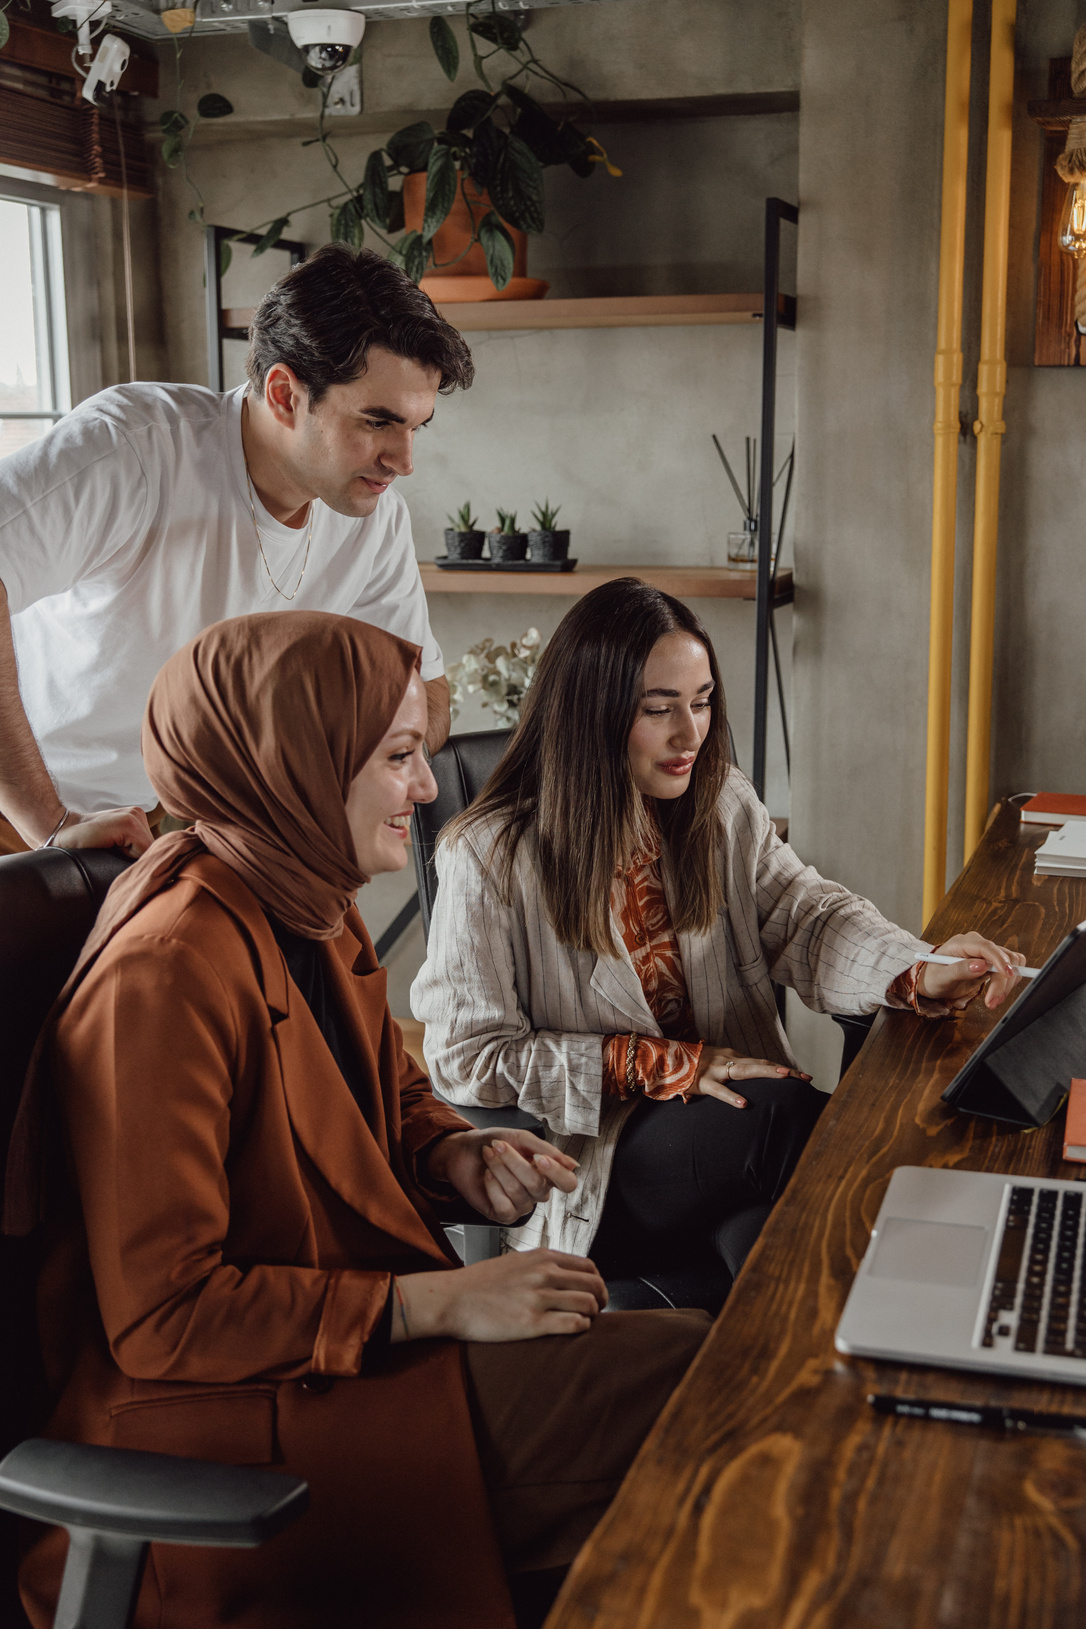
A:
x: 326, y: 38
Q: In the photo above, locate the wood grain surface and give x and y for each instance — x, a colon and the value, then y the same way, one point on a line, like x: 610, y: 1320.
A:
x: 686, y: 582
x: 769, y: 1496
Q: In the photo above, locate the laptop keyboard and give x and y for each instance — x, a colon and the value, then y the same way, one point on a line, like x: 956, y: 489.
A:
x: 1037, y: 1302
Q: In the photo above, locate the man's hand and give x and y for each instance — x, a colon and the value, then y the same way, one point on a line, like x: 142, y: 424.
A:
x: 957, y: 986
x: 514, y: 1297
x: 719, y: 1066
x: 438, y: 712
x: 501, y: 1174
x: 126, y: 829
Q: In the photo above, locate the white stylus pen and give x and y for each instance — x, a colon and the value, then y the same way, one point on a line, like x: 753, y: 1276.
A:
x: 951, y: 961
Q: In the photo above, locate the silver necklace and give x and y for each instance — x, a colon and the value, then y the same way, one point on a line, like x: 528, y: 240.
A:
x: 260, y: 545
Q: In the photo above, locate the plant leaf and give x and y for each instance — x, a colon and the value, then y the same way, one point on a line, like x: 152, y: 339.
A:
x: 272, y: 235
x: 468, y: 109
x: 173, y: 149
x: 347, y: 224
x: 440, y: 190
x: 416, y: 254
x: 375, y: 198
x: 395, y: 222
x: 409, y: 149
x: 498, y: 248
x: 517, y: 186
x: 445, y: 47
x: 226, y: 255
x: 486, y: 144
x: 498, y: 29
x: 5, y: 29
x: 537, y: 128
x: 172, y: 123
x: 214, y: 106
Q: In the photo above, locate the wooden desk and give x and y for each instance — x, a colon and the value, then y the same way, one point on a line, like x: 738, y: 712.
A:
x: 769, y: 1496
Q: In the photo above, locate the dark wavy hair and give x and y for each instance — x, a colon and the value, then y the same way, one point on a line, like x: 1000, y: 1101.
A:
x: 566, y: 780
x: 322, y: 317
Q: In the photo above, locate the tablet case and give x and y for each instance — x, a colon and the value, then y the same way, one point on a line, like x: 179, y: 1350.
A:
x: 1021, y: 1071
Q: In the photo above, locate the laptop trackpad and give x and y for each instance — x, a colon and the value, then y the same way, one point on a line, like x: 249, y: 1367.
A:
x: 929, y: 1252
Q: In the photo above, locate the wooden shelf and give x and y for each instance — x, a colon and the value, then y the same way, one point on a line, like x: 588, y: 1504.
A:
x: 685, y: 582
x: 629, y: 311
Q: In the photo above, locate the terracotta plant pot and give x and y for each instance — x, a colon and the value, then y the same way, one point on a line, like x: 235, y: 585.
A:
x: 507, y: 545
x: 549, y: 545
x: 466, y: 278
x: 463, y: 545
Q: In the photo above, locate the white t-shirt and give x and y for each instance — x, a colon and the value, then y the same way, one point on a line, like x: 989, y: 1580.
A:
x: 125, y: 531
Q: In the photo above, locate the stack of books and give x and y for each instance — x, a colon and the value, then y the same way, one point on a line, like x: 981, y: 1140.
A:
x: 1063, y: 852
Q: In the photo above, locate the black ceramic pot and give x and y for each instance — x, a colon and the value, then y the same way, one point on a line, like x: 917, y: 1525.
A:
x: 548, y: 545
x: 507, y: 545
x: 463, y: 545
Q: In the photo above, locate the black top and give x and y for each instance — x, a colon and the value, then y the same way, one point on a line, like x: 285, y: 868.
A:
x: 306, y: 966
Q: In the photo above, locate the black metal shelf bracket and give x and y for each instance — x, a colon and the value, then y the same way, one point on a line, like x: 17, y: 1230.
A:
x: 778, y: 311
x: 217, y: 331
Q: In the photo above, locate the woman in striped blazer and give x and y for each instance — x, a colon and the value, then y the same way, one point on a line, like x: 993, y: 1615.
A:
x: 612, y: 914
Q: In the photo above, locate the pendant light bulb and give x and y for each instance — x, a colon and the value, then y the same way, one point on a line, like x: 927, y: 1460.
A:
x: 1072, y: 234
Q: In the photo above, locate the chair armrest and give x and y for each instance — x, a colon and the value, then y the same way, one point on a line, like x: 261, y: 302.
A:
x: 502, y: 1119
x: 856, y: 1027
x: 150, y: 1497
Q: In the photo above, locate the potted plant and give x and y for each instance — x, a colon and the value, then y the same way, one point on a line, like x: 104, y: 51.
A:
x: 506, y: 543
x: 472, y: 190
x: 503, y: 672
x: 544, y: 542
x: 463, y: 540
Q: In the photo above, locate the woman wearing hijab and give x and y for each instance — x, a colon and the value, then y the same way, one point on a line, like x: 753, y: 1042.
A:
x: 612, y: 915
x: 251, y: 1266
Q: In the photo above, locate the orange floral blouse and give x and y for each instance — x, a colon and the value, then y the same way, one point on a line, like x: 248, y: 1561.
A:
x: 667, y: 1067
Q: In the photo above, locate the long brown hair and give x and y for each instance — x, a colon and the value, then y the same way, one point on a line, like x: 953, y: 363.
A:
x: 566, y: 778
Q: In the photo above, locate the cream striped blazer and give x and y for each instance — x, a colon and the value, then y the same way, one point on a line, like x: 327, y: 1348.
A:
x: 514, y: 1017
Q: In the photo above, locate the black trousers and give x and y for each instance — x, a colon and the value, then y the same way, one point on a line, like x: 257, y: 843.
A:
x: 693, y: 1178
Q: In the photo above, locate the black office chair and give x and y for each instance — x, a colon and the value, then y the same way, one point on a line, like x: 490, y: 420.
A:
x: 114, y: 1502
x: 461, y: 768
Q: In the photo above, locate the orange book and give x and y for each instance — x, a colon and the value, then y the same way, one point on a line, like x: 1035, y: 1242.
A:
x: 1074, y: 1131
x: 1053, y: 808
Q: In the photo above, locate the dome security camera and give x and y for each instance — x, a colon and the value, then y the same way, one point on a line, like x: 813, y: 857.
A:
x: 326, y: 38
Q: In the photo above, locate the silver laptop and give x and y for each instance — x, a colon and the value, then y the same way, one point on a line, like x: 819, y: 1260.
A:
x: 973, y: 1270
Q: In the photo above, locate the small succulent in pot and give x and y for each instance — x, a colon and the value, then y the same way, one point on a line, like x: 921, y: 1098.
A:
x: 544, y: 542
x: 463, y: 540
x: 506, y: 543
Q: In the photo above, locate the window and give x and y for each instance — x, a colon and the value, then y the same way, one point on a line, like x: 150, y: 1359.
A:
x: 34, y: 383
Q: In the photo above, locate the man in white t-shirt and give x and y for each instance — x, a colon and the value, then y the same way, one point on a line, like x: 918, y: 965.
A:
x: 153, y: 510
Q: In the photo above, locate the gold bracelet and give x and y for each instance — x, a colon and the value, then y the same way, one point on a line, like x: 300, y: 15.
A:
x: 631, y: 1049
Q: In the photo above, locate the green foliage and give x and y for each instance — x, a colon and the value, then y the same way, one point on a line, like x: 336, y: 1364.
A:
x: 516, y: 186
x: 272, y: 235
x: 469, y: 109
x: 440, y: 188
x: 486, y: 146
x: 544, y: 516
x: 226, y: 254
x: 463, y: 520
x: 347, y: 225
x: 507, y: 521
x: 498, y: 29
x: 214, y: 106
x: 409, y: 149
x: 498, y: 248
x: 5, y: 29
x: 375, y: 193
x: 396, y: 220
x: 412, y: 253
x: 445, y: 47
x: 172, y: 123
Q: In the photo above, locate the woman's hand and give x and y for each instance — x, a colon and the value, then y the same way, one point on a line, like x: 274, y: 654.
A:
x: 719, y: 1066
x: 957, y: 986
x: 503, y: 1174
x: 514, y: 1297
x: 126, y: 829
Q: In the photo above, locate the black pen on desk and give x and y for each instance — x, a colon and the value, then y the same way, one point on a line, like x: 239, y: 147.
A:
x: 1031, y: 1420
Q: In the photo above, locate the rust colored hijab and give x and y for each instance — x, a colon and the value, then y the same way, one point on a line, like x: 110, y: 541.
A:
x: 254, y: 732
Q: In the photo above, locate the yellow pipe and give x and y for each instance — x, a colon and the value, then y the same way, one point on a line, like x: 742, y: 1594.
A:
x: 989, y: 428
x: 948, y: 382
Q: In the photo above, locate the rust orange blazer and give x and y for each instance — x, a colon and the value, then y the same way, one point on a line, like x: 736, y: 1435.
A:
x: 238, y: 1219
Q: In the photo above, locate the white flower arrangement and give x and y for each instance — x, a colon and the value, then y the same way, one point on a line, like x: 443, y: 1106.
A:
x: 504, y: 674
